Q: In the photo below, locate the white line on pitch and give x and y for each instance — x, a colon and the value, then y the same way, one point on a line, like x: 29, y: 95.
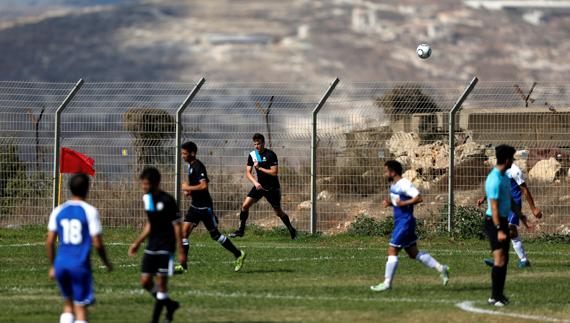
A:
x: 468, y: 307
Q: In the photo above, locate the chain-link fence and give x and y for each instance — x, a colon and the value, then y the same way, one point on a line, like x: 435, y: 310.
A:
x: 125, y: 126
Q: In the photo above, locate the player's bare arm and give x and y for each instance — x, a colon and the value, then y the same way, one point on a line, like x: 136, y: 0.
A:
x: 413, y: 201
x: 273, y: 171
x: 530, y: 200
x: 50, y: 250
x: 501, y: 236
x: 98, y: 245
x: 135, y: 246
x: 251, y: 178
x: 386, y: 203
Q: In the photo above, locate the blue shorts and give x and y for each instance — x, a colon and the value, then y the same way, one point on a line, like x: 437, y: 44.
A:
x: 404, y: 234
x: 75, y: 284
x: 513, y: 217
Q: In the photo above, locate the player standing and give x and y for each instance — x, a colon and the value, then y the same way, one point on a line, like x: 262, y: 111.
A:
x: 164, y: 236
x: 403, y: 197
x: 76, y: 224
x: 267, y: 185
x: 518, y: 189
x: 498, y: 191
x: 201, y: 209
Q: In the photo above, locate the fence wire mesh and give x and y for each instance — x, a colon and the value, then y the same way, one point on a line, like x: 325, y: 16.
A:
x: 125, y: 126
x: 27, y: 112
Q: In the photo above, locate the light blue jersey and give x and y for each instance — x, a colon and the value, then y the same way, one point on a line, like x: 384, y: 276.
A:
x: 498, y: 187
x: 75, y: 222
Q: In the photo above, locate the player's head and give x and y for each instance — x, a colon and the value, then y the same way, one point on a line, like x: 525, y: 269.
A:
x: 505, y: 155
x: 392, y: 169
x: 259, y: 141
x: 79, y: 185
x: 150, y: 179
x: 188, y: 151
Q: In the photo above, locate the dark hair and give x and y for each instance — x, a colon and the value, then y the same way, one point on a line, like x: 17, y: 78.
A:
x: 394, y: 166
x: 190, y: 147
x: 504, y: 153
x: 152, y: 175
x: 79, y: 185
x: 258, y: 137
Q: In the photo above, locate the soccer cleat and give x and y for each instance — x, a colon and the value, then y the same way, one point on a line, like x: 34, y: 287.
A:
x: 179, y: 269
x: 380, y: 288
x: 294, y: 234
x: 445, y: 275
x: 489, y: 262
x: 237, y: 233
x: 523, y: 264
x: 496, y: 303
x: 170, y: 309
x: 239, y: 261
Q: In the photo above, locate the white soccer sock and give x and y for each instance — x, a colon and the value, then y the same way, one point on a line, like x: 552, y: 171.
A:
x: 429, y: 261
x: 391, y: 266
x: 519, y: 249
x: 80, y: 321
x: 161, y: 296
x: 66, y: 318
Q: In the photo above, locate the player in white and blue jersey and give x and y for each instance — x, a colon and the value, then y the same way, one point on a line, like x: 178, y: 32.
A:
x: 403, y: 197
x: 77, y: 226
x: 518, y: 190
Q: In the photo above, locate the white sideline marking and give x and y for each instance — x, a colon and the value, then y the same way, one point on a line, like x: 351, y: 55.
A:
x: 468, y: 307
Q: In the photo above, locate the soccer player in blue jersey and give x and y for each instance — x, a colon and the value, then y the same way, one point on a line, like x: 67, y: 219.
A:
x: 163, y: 234
x: 518, y: 190
x: 403, y: 197
x: 77, y: 226
x: 498, y: 192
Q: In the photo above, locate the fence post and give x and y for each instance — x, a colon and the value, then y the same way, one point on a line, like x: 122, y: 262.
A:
x: 56, y: 141
x: 179, y: 113
x: 451, y: 174
x: 318, y: 107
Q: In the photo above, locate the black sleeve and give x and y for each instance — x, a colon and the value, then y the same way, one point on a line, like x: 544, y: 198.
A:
x: 174, y: 213
x: 272, y: 159
x: 249, y: 160
x: 202, y: 173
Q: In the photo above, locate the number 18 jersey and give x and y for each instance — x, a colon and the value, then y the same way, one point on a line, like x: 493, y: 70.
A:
x: 75, y: 223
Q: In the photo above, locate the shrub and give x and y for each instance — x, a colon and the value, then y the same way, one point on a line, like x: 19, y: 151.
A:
x: 467, y: 222
x: 364, y: 225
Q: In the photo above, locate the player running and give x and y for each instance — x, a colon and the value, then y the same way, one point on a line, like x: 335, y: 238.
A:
x: 77, y: 226
x: 201, y: 209
x: 498, y: 191
x: 403, y: 197
x: 265, y: 163
x: 518, y: 189
x: 164, y: 235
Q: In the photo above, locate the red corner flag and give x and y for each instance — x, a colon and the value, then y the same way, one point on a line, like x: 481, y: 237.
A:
x: 74, y: 162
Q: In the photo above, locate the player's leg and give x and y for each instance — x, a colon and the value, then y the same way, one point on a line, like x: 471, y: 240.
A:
x: 67, y: 316
x: 162, y: 297
x: 211, y: 224
x: 427, y: 260
x: 83, y: 295
x: 274, y: 198
x: 390, y: 270
x: 500, y: 259
x: 518, y: 245
x: 149, y: 268
x: 187, y: 227
x: 80, y: 313
x: 63, y: 280
x: 252, y: 197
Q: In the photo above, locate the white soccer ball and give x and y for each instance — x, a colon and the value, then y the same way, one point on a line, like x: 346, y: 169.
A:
x: 424, y: 51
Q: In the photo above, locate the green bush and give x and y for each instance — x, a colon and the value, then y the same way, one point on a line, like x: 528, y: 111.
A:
x: 364, y: 225
x: 467, y: 222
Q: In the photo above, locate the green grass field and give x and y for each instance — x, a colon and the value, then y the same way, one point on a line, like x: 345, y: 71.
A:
x: 313, y: 279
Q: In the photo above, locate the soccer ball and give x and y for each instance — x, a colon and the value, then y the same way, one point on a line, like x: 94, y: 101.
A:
x: 424, y: 51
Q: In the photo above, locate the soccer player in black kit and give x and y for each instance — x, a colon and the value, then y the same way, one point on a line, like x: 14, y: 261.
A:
x: 201, y: 209
x: 163, y: 234
x: 265, y: 163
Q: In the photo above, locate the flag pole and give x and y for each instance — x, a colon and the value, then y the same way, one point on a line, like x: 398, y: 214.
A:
x: 59, y: 189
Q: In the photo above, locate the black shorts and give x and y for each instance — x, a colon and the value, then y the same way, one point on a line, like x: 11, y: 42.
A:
x: 492, y: 234
x: 160, y: 263
x: 273, y: 196
x: 206, y: 215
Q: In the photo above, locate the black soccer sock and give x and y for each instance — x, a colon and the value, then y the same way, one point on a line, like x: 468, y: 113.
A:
x: 227, y: 243
x: 157, y: 310
x: 498, y: 283
x: 151, y: 289
x: 186, y: 246
x: 287, y: 222
x: 243, y: 215
x: 502, y: 280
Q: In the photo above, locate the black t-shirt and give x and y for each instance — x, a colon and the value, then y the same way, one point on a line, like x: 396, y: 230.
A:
x: 268, y: 159
x: 197, y: 173
x: 162, y: 211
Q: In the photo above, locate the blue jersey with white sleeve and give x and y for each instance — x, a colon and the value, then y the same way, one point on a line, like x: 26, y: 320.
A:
x: 75, y: 223
x: 404, y: 234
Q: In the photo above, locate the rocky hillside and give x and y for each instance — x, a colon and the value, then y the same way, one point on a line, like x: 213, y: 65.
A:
x: 303, y: 40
